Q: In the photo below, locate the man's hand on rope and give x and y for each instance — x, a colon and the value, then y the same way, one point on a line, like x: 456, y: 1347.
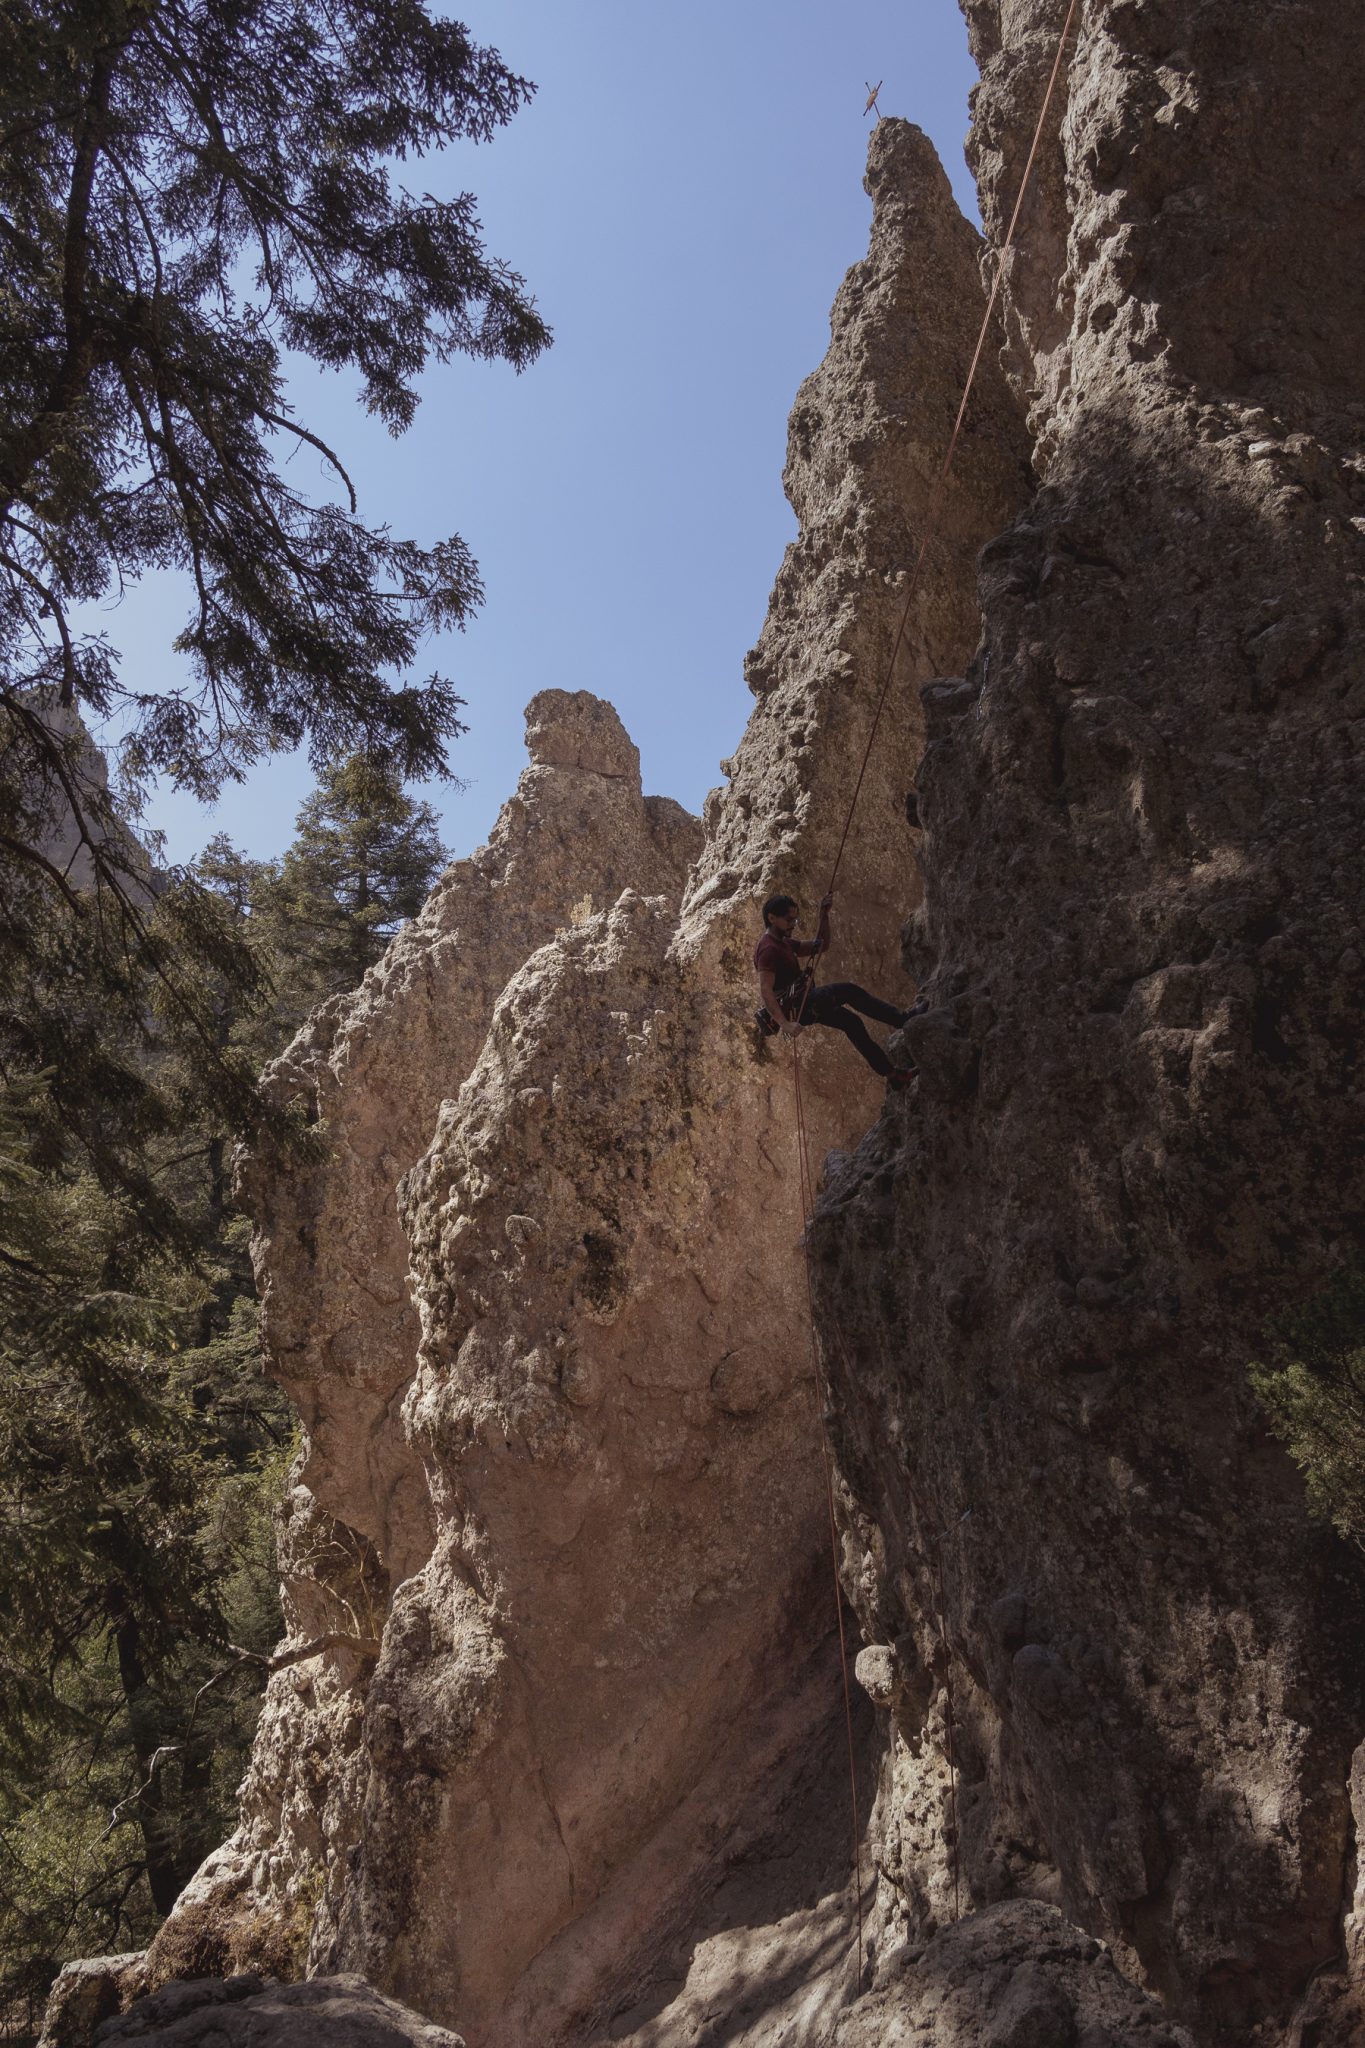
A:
x: 822, y: 928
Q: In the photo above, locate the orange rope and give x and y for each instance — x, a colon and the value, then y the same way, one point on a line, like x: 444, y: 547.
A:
x: 805, y: 1178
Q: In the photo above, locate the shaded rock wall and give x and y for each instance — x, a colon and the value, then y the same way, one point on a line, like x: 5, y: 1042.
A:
x: 539, y: 1302
x: 1014, y: 1975
x: 1139, y: 1129
x: 65, y: 800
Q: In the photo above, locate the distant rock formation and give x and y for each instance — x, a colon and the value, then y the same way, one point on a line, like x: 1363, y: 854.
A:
x: 66, y: 813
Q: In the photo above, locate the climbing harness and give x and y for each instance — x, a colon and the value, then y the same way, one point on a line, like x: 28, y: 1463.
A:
x: 770, y: 1027
x: 791, y: 1002
x: 791, y: 999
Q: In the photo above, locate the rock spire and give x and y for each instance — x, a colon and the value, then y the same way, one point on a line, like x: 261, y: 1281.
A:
x: 539, y: 1301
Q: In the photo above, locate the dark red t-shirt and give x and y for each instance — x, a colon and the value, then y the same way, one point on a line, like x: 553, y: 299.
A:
x: 779, y: 958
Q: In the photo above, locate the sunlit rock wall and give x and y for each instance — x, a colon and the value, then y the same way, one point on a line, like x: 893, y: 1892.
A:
x: 539, y: 1300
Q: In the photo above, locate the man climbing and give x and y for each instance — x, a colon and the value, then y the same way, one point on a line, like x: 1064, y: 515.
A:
x: 789, y: 1008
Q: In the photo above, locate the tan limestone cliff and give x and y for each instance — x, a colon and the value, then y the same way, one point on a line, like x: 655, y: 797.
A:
x: 1087, y: 1565
x: 537, y: 1299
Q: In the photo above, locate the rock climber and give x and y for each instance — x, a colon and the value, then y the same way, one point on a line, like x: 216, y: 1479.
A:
x: 840, y: 1005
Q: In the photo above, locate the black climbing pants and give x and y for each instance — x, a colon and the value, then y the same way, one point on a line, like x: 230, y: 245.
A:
x: 837, y: 1004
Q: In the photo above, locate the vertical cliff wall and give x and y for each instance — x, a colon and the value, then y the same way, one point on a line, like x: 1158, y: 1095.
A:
x: 1139, y: 1128
x: 537, y: 1296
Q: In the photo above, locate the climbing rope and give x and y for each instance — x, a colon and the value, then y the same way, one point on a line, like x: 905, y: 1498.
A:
x: 806, y: 1180
x: 822, y: 1396
x: 931, y: 516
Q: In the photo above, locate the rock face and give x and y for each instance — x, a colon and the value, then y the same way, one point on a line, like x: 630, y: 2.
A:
x: 87, y: 1993
x: 244, y: 2012
x: 373, y: 1070
x: 1014, y: 1975
x: 539, y: 1303
x: 1140, y: 1121
x: 865, y: 444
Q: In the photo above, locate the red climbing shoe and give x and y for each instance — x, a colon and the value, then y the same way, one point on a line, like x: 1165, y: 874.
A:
x: 903, y: 1077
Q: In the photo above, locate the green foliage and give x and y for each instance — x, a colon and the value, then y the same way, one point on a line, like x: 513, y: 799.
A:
x: 141, y: 1445
x: 116, y: 997
x: 1313, y: 1385
x: 81, y: 1314
x: 363, y: 861
x: 68, y: 1886
x: 73, y: 1859
x: 136, y: 1481
x: 364, y: 858
x: 186, y: 190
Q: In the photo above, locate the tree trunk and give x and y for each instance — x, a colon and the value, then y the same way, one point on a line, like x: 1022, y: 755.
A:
x: 161, y: 1874
x: 361, y: 932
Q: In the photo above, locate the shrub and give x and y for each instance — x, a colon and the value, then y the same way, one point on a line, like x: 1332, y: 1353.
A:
x: 1313, y: 1386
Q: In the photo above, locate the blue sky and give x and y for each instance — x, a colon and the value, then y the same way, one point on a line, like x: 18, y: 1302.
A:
x: 683, y: 196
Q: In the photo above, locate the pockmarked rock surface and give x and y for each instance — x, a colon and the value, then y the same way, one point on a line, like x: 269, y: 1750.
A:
x: 865, y: 446
x: 86, y: 1993
x: 244, y: 2012
x: 1083, y: 1566
x: 1012, y: 1975
x: 559, y: 1520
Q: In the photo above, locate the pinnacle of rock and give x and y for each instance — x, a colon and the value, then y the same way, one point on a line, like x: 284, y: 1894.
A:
x: 555, y: 1378
x: 573, y: 729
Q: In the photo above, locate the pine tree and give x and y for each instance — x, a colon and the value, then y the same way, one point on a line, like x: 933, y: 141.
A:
x: 123, y: 1573
x: 363, y: 860
x: 141, y: 1443
x: 186, y: 192
x: 243, y: 1021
